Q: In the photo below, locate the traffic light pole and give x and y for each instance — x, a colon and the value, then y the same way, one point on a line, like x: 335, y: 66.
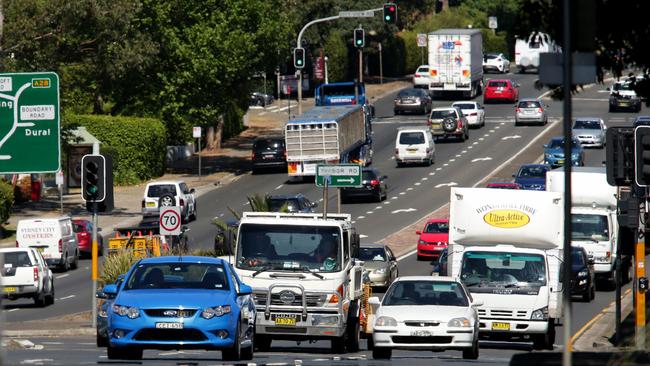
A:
x: 94, y: 264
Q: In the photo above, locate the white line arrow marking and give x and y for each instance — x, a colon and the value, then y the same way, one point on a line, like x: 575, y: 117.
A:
x: 404, y: 210
x: 450, y: 184
x: 481, y: 159
x: 510, y: 137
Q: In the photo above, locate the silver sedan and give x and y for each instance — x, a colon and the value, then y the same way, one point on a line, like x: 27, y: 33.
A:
x: 590, y: 131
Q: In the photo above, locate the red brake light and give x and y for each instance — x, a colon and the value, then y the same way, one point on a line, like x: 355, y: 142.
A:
x: 35, y: 274
x: 60, y: 246
x: 374, y: 182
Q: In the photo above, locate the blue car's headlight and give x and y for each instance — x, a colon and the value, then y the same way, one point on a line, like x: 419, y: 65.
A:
x: 129, y: 311
x: 217, y: 311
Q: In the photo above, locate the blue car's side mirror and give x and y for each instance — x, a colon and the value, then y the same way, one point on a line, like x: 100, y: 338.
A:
x: 244, y: 290
x: 110, y: 289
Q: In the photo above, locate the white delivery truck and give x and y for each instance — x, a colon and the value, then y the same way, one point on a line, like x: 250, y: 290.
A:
x: 594, y: 224
x: 306, y: 283
x: 506, y: 247
x: 527, y: 50
x: 456, y: 62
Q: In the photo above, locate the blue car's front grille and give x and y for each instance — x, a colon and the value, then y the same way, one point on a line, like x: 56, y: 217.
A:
x: 170, y: 335
x: 171, y: 313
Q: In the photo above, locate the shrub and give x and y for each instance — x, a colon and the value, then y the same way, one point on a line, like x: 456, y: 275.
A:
x: 137, y: 145
x: 116, y: 264
x: 6, y: 201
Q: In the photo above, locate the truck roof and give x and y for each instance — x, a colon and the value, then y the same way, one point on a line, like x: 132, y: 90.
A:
x: 458, y: 31
x: 325, y: 114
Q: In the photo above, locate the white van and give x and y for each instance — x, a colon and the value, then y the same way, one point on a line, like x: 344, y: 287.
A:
x: 414, y: 145
x: 53, y: 238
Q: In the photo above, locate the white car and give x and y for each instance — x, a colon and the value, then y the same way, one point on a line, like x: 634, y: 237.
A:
x: 25, y: 274
x: 169, y: 193
x: 425, y: 313
x: 474, y: 112
x: 421, y: 77
x: 496, y: 62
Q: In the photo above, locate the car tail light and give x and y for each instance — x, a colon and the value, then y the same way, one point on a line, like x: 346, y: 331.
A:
x: 339, y: 295
x: 60, y: 245
x: 374, y: 182
x: 182, y: 201
x: 35, y: 274
x: 517, y: 110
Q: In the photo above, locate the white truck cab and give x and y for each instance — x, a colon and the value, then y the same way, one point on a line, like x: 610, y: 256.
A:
x: 506, y: 247
x: 306, y: 283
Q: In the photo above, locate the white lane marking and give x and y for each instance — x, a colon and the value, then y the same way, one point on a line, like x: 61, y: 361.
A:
x: 68, y: 297
x: 62, y: 276
x: 404, y: 210
x: 361, y: 217
x: 481, y: 159
x: 278, y: 187
x: 450, y: 184
x: 417, y: 183
x: 511, y: 137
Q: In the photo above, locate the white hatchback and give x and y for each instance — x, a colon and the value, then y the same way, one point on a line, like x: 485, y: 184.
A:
x: 421, y: 77
x: 425, y: 313
x: 474, y: 112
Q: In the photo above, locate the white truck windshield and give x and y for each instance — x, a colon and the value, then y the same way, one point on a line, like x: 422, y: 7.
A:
x: 289, y: 248
x: 487, y: 271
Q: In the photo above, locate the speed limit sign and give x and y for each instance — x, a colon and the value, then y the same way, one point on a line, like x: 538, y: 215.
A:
x: 170, y: 220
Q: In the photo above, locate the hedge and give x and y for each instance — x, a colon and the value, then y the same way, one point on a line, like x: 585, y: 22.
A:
x: 137, y: 145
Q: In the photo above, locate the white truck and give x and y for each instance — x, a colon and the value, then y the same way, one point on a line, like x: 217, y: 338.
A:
x: 506, y: 247
x: 527, y: 50
x: 306, y: 283
x: 456, y: 62
x: 328, y: 135
x: 594, y: 225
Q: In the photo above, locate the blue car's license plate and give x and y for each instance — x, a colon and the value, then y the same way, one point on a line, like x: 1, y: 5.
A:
x: 169, y: 325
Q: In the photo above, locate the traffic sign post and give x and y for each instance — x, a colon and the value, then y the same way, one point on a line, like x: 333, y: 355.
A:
x: 29, y: 123
x: 170, y: 220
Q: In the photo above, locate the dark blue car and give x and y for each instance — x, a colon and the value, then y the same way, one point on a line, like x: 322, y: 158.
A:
x: 532, y: 176
x: 181, y: 303
x: 554, y: 152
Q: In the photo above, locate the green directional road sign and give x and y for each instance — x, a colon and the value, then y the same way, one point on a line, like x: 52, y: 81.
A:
x: 342, y: 175
x: 29, y: 123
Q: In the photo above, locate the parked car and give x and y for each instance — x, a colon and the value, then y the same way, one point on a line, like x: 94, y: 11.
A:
x: 26, y: 275
x: 380, y: 264
x: 496, y: 62
x: 449, y: 122
x: 84, y: 231
x: 531, y: 111
x: 181, y: 302
x: 426, y: 313
x: 440, y: 264
x: 414, y: 145
x: 294, y: 203
x: 421, y: 77
x: 590, y: 131
x: 503, y: 185
x: 532, y: 176
x: 583, y: 283
x: 166, y: 194
x: 53, y: 238
x: 105, y: 304
x: 433, y: 239
x: 261, y: 99
x: 554, y: 152
x: 501, y: 90
x: 474, y: 112
x: 373, y: 185
x: 269, y: 152
x: 412, y: 100
x: 623, y: 96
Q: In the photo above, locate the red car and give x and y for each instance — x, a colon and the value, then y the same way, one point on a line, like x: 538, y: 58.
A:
x: 501, y: 90
x: 433, y: 239
x: 84, y: 231
x: 504, y: 185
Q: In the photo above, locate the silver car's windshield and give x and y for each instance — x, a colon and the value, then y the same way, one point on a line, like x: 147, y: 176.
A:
x: 289, y: 247
x: 483, y: 271
x: 443, y: 293
x: 589, y: 227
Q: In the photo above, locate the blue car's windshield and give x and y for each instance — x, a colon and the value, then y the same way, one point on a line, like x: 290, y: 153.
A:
x: 178, y: 275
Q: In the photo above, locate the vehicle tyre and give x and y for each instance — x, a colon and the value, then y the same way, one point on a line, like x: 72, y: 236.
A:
x: 471, y: 353
x: 354, y: 335
x: 338, y: 344
x: 263, y: 343
x: 449, y: 125
x: 75, y: 262
x: 233, y: 353
x: 381, y: 353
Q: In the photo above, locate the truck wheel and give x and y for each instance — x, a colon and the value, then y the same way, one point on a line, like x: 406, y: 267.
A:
x: 381, y: 353
x: 354, y: 335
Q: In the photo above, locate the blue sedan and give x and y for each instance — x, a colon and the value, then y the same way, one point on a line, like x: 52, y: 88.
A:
x: 181, y: 303
x: 554, y: 152
x: 532, y: 176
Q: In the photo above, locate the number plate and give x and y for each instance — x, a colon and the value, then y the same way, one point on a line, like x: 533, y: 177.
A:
x: 151, y: 204
x: 10, y: 289
x: 169, y: 325
x: 421, y: 333
x: 500, y: 326
x: 287, y: 320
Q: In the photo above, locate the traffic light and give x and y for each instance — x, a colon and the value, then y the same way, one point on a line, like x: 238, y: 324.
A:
x: 359, y: 38
x: 642, y: 155
x: 619, y: 156
x: 299, y: 58
x: 390, y: 13
x: 93, y: 178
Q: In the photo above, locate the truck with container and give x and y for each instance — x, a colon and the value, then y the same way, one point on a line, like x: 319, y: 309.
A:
x: 506, y: 247
x: 456, y: 62
x: 594, y: 222
x: 328, y: 135
x: 527, y: 50
x: 306, y: 282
